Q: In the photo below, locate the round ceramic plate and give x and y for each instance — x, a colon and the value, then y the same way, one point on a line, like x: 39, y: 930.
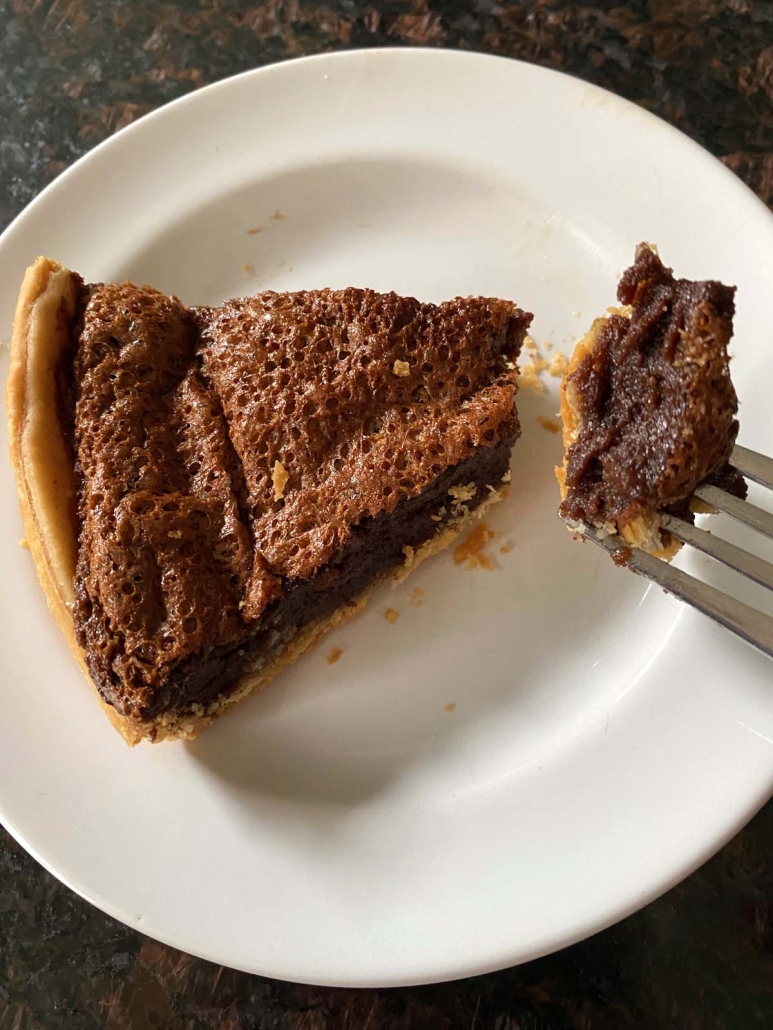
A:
x: 531, y: 752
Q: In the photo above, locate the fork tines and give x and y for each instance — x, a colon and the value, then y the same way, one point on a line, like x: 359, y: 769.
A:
x: 751, y: 625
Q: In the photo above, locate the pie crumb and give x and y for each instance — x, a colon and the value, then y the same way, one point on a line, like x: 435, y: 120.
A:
x: 391, y: 615
x: 249, y: 269
x: 558, y: 365
x: 529, y: 380
x: 449, y: 707
x: 334, y: 655
x: 506, y: 547
x: 401, y: 368
x: 539, y: 364
x: 417, y: 597
x: 463, y: 493
x: 24, y: 543
x: 549, y: 424
x: 470, y: 551
x: 279, y: 477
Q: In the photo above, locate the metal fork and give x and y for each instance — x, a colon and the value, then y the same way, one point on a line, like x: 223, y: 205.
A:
x: 746, y: 622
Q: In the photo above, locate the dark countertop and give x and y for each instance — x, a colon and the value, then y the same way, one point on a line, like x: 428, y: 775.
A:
x: 74, y: 71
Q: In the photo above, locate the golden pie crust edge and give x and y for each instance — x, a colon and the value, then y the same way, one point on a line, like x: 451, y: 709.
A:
x: 45, y: 482
x: 41, y: 460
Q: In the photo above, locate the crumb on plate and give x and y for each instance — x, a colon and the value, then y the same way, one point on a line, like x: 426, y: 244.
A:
x: 470, y: 551
x: 558, y: 365
x: 550, y: 424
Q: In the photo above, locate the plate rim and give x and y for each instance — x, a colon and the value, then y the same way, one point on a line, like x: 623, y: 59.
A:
x: 415, y: 52
x: 591, y: 926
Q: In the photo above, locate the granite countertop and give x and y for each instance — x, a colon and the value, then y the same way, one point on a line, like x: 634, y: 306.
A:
x: 74, y: 71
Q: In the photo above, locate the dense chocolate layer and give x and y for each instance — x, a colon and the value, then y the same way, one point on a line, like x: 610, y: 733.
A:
x: 654, y: 398
x: 372, y: 549
x: 247, y: 469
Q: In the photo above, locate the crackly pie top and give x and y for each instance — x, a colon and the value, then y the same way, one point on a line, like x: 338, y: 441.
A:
x: 224, y: 453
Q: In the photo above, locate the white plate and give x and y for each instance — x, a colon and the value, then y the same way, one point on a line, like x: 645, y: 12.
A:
x: 343, y: 827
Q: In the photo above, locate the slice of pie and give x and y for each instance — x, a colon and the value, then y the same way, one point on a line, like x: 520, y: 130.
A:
x: 206, y: 491
x: 648, y: 407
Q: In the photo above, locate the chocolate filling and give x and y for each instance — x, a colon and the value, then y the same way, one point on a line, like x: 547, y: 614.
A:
x: 654, y: 398
x: 249, y: 469
x: 374, y: 548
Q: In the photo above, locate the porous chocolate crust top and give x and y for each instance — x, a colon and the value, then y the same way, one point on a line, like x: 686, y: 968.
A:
x: 226, y: 455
